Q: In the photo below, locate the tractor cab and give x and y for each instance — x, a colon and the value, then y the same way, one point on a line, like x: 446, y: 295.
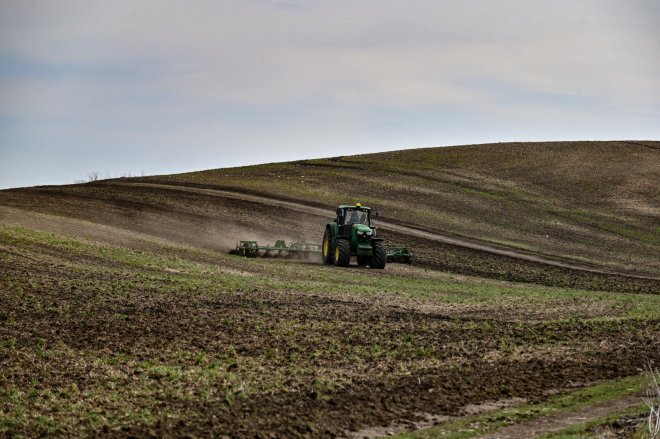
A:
x: 349, y: 215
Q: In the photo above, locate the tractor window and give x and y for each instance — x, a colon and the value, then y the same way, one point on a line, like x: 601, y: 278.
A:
x: 356, y: 217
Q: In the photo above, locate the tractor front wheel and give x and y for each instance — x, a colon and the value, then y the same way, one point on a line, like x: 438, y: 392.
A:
x: 327, y: 247
x: 342, y: 252
x: 379, y: 255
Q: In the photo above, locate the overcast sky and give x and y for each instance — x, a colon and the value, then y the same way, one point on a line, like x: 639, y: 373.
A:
x: 131, y: 87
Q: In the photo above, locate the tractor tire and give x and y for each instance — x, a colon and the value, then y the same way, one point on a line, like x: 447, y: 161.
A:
x: 379, y: 255
x: 342, y: 252
x: 363, y: 260
x: 327, y: 248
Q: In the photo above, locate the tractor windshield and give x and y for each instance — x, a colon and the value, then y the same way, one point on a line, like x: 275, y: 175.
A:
x: 355, y: 216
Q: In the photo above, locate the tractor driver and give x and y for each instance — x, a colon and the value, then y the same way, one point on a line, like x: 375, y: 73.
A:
x: 356, y: 217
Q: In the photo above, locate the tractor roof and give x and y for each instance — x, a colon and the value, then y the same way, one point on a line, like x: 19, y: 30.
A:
x: 353, y: 206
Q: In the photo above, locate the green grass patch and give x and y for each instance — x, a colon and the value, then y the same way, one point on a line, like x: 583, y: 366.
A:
x: 602, y: 222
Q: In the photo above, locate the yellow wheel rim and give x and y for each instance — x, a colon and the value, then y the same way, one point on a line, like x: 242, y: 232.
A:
x: 337, y: 253
x: 325, y: 247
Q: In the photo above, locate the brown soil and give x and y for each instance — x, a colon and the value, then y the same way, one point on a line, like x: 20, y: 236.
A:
x: 428, y: 419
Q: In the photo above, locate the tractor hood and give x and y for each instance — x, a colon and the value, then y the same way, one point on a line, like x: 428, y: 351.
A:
x: 362, y: 228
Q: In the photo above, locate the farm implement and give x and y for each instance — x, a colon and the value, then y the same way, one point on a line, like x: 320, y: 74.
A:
x: 399, y: 253
x: 301, y: 249
x: 295, y: 249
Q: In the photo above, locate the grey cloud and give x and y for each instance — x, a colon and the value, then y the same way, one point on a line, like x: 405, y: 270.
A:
x: 319, y: 73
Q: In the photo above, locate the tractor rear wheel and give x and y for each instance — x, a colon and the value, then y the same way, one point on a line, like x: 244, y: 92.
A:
x: 343, y: 252
x: 327, y: 247
x: 379, y: 255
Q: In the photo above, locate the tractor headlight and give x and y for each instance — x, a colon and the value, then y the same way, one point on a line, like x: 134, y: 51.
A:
x: 363, y: 236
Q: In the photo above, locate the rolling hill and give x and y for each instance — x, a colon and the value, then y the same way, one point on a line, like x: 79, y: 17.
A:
x: 595, y: 202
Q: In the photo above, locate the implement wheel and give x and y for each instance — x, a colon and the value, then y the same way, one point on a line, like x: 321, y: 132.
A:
x: 342, y: 253
x: 379, y: 255
x: 327, y: 248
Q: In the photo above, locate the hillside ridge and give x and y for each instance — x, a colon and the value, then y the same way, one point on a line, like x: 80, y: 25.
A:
x: 598, y: 202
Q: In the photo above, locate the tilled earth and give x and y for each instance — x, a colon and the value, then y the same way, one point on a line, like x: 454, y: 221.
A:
x: 129, y: 319
x: 163, y: 340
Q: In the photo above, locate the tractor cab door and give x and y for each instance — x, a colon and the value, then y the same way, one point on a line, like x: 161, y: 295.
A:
x: 343, y: 229
x: 340, y: 217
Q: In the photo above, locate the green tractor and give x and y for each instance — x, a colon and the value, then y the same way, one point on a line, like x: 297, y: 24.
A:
x: 351, y: 234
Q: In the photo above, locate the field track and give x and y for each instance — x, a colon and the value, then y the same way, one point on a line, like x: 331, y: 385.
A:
x: 548, y: 424
x: 405, y: 230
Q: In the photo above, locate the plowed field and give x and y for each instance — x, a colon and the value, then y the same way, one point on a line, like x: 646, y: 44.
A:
x: 121, y: 313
